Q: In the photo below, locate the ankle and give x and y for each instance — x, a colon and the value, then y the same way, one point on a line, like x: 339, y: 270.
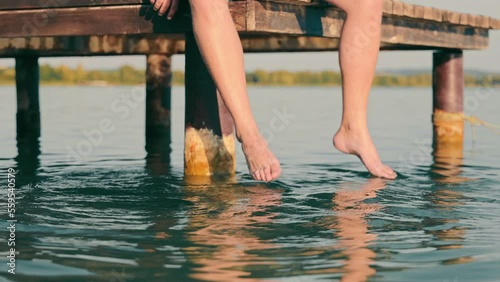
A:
x: 351, y: 128
x: 249, y: 138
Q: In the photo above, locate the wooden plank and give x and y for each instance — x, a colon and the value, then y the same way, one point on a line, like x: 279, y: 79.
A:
x: 464, y: 19
x: 47, y: 4
x: 272, y: 17
x: 482, y: 21
x: 127, y: 19
x: 163, y: 44
x: 398, y: 8
x: 451, y: 17
x: 418, y: 12
x: 494, y: 24
x: 388, y: 6
x: 280, y: 18
x: 433, y: 14
x: 251, y: 17
x: 93, y: 45
x: 408, y: 10
x: 423, y: 33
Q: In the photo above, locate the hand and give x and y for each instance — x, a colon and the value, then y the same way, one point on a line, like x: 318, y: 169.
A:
x: 163, y: 5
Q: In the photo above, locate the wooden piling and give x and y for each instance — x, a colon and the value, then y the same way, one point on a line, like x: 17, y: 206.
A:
x: 448, y: 89
x: 209, y: 130
x: 28, y: 103
x: 158, y: 107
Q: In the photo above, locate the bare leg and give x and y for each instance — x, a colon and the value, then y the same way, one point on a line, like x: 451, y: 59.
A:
x: 359, y: 48
x: 221, y: 49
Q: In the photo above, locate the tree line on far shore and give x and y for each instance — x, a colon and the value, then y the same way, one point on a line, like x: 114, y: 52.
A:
x: 128, y: 75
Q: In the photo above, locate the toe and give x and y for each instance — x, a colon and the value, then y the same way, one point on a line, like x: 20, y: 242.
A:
x: 393, y: 174
x: 267, y: 174
x: 260, y: 175
x: 255, y: 175
x: 379, y: 171
x: 389, y: 173
x: 275, y: 170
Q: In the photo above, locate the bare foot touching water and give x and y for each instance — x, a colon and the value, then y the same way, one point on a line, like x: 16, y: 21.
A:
x: 261, y: 162
x: 361, y: 145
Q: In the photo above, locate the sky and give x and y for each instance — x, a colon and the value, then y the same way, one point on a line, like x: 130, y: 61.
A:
x: 487, y: 60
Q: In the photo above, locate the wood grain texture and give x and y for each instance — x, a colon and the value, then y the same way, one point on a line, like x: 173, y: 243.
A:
x: 48, y: 4
x: 109, y: 45
x: 282, y: 18
x: 400, y: 8
x: 299, y: 20
x: 125, y: 19
x: 404, y: 25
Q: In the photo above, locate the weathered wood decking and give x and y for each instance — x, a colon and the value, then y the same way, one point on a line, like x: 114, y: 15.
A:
x: 33, y: 28
x: 130, y: 27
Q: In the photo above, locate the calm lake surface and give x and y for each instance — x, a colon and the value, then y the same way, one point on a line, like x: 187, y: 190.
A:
x: 113, y: 217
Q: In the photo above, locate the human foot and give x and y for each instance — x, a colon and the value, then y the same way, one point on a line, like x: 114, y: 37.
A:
x: 261, y: 162
x: 361, y: 145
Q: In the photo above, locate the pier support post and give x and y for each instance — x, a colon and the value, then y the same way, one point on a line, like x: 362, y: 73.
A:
x: 28, y: 116
x: 209, y: 130
x: 448, y: 89
x: 28, y: 103
x: 158, y: 106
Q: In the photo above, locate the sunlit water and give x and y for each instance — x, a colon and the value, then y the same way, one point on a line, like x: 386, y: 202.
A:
x: 111, y: 217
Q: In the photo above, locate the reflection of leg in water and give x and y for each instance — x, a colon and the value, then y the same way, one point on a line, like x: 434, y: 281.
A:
x: 222, y: 228
x: 352, y: 228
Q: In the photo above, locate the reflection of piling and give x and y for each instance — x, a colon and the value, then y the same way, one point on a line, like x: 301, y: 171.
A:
x: 28, y: 161
x: 209, y: 140
x: 448, y: 88
x: 158, y: 106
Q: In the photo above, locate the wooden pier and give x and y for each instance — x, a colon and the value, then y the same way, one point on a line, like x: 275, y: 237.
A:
x: 38, y: 28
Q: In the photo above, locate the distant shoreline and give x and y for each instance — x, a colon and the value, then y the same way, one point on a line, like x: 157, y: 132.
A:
x: 249, y: 85
x: 128, y: 76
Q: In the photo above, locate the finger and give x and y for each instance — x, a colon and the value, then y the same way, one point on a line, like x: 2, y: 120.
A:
x: 173, y: 9
x: 158, y: 4
x: 164, y: 7
x: 152, y: 2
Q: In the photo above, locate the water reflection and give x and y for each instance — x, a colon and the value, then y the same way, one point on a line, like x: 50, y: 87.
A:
x: 353, y: 229
x: 158, y: 151
x: 447, y: 164
x: 28, y: 158
x: 224, y: 228
x: 351, y: 205
x: 447, y: 197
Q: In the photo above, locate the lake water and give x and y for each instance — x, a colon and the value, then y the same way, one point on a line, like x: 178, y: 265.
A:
x: 112, y: 217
